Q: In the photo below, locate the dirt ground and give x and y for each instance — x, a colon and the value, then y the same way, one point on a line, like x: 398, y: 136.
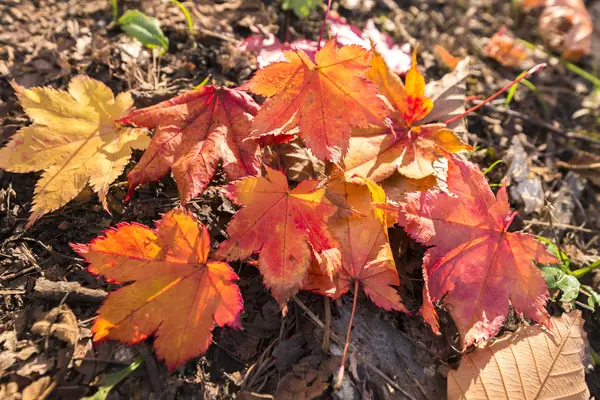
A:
x: 47, y: 42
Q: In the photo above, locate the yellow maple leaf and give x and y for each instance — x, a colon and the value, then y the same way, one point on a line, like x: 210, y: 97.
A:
x: 73, y: 139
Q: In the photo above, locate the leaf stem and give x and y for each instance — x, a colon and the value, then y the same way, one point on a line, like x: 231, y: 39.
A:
x: 568, y: 65
x: 578, y: 273
x: 323, y: 25
x: 498, y: 93
x: 340, y: 374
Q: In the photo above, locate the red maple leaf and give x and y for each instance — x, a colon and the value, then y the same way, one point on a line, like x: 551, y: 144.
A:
x: 319, y: 100
x: 287, y: 226
x: 475, y: 265
x: 194, y: 132
x: 177, y: 293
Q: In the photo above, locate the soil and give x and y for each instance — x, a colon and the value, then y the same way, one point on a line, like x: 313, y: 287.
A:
x: 47, y: 42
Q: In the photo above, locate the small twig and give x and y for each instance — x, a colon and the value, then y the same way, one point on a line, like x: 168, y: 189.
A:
x: 219, y: 36
x: 11, y: 292
x: 561, y: 226
x: 55, y: 291
x: 542, y: 124
x: 410, y: 373
x: 327, y: 329
x: 336, y: 338
x: 563, y: 164
x: 18, y: 274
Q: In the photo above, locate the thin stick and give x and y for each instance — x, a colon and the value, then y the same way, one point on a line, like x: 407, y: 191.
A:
x: 542, y: 124
x: 336, y: 338
x: 323, y: 25
x: 563, y: 164
x: 340, y: 375
x: 327, y: 305
x: 561, y: 226
x: 498, y: 93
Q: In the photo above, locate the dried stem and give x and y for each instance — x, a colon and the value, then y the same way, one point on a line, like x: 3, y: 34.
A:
x: 323, y: 25
x: 498, y: 93
x: 340, y: 375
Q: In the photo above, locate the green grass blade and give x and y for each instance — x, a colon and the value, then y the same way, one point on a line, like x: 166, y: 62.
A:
x: 186, y: 13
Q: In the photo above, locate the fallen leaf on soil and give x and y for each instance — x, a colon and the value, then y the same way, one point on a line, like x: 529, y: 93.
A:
x: 194, y: 132
x: 268, y: 49
x: 308, y: 380
x: 59, y: 322
x: 530, y: 363
x: 73, y: 139
x: 366, y: 253
x: 296, y: 160
x: 285, y: 226
x: 566, y: 26
x: 526, y: 187
x: 377, y: 154
x: 476, y: 265
x: 504, y: 48
x: 448, y: 59
x: 170, y: 269
x: 448, y: 96
x: 397, y: 57
x: 9, y: 391
x: 40, y: 389
x: 319, y: 101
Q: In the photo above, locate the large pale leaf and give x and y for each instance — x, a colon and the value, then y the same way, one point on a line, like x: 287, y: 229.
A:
x: 530, y: 363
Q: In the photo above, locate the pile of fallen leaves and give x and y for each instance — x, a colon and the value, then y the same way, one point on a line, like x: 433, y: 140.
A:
x: 392, y: 152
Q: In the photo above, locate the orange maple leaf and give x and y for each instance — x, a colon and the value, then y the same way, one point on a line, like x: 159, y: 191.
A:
x: 504, y: 48
x: 285, y: 226
x: 410, y: 150
x: 447, y: 58
x: 320, y: 101
x: 194, y: 132
x: 475, y: 262
x: 367, y: 257
x: 177, y: 293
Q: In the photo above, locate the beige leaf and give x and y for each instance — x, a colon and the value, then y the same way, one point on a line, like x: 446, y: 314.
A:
x: 59, y: 322
x: 40, y: 389
x: 528, y: 364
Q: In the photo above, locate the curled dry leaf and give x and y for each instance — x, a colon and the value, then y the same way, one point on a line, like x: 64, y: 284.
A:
x: 410, y: 150
x: 59, y: 322
x: 170, y: 270
x: 194, y: 132
x: 366, y: 253
x: 504, y: 48
x: 296, y: 160
x: 320, y: 101
x: 448, y: 59
x: 530, y: 363
x: 308, y: 380
x: 73, y: 139
x: 287, y: 226
x: 566, y: 26
x: 475, y: 264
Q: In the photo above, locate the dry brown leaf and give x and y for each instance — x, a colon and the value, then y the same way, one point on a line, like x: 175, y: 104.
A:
x: 528, y: 364
x: 40, y: 389
x: 9, y: 391
x: 307, y: 382
x: 59, y: 322
x: 566, y: 26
